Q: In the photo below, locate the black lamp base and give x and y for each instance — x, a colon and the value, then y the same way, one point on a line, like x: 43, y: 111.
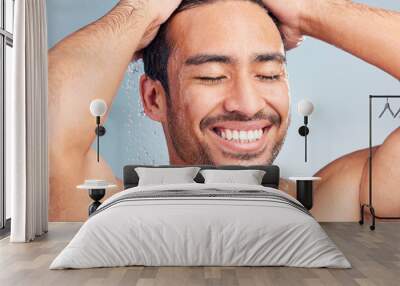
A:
x: 100, y: 130
x: 304, y: 131
x: 96, y: 195
x: 304, y: 191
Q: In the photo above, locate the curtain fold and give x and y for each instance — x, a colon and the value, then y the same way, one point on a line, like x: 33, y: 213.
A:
x: 27, y: 148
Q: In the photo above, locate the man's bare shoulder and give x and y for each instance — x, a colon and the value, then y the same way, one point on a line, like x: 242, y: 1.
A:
x: 348, y: 165
x: 336, y: 196
x: 354, y: 163
x: 66, y: 202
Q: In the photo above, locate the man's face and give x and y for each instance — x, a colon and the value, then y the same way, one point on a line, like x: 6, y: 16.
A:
x: 229, y: 95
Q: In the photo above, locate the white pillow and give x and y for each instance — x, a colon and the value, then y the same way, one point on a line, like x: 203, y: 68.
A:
x: 249, y: 177
x: 162, y: 176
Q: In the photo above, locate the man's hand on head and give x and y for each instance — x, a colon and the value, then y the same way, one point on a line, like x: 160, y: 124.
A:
x: 290, y: 14
x: 157, y: 13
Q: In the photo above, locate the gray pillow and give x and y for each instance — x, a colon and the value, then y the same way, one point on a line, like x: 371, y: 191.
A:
x: 248, y: 177
x: 162, y: 176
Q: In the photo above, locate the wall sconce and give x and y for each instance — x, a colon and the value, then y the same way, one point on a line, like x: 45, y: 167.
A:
x: 305, y: 108
x: 98, y: 108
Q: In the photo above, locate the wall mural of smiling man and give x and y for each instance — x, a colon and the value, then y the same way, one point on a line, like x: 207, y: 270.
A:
x: 227, y: 91
x: 216, y: 81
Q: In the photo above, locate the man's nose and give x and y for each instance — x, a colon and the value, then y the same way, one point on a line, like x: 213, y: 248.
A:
x: 244, y: 98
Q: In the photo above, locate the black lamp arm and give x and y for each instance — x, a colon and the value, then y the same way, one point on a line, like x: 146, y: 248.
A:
x: 100, y: 131
x: 304, y: 131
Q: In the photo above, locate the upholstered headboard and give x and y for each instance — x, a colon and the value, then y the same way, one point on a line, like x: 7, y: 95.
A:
x: 271, y: 177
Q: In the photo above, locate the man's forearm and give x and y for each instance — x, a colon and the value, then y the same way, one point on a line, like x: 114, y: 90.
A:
x: 369, y: 33
x: 90, y: 64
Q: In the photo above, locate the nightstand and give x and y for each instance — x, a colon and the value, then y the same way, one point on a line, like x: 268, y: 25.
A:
x: 304, y: 190
x: 97, y: 191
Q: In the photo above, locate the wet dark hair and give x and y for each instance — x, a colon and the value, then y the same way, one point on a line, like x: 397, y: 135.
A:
x: 156, y: 54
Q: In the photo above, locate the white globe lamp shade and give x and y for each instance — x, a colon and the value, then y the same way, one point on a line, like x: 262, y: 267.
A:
x: 98, y: 107
x: 305, y: 107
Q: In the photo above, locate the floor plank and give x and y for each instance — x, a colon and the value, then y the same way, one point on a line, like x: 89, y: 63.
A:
x: 375, y: 257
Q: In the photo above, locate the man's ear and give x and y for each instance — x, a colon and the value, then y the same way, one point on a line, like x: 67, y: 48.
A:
x: 154, y: 98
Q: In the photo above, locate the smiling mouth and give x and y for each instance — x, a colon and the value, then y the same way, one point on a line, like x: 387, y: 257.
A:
x: 240, y: 136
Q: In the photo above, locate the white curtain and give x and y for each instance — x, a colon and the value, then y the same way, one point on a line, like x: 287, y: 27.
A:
x: 26, y: 117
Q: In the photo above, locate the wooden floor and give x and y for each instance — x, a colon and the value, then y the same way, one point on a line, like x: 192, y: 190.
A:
x: 375, y: 257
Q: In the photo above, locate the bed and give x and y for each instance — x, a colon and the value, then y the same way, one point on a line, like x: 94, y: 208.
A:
x: 201, y: 224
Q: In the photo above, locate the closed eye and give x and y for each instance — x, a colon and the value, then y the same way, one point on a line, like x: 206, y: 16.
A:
x: 269, y: 78
x: 208, y: 79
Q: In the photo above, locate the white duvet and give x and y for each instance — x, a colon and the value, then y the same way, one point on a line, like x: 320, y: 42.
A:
x: 200, y: 231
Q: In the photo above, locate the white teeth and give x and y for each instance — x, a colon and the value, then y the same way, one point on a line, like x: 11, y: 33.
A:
x: 241, y: 136
x: 229, y: 135
x: 235, y: 135
x: 223, y: 135
x: 250, y: 135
